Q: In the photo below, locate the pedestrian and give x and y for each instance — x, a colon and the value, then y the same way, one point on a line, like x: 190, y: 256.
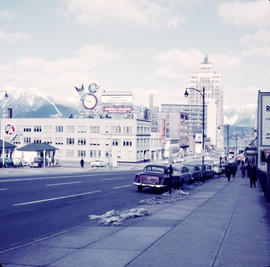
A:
x: 228, y: 172
x: 252, y: 175
x: 233, y: 169
x: 82, y: 163
x: 243, y: 169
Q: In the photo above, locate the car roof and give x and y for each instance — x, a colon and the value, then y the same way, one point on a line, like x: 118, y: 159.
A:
x: 157, y: 165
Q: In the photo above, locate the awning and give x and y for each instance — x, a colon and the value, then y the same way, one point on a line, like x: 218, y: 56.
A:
x: 7, y: 145
x: 38, y: 147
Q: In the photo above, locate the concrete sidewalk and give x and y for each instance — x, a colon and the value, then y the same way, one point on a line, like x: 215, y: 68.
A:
x: 219, y: 224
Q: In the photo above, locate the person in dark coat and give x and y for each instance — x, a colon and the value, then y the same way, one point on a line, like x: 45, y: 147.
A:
x: 233, y: 169
x: 243, y: 169
x: 82, y: 163
x: 228, y: 172
x: 252, y: 175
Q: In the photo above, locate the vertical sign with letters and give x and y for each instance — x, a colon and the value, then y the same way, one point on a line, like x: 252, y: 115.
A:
x: 265, y: 119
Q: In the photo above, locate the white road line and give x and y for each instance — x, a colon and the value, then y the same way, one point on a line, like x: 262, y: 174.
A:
x: 78, y: 182
x: 41, y: 178
x: 55, y: 198
x: 3, y: 189
x: 111, y: 179
x: 122, y: 186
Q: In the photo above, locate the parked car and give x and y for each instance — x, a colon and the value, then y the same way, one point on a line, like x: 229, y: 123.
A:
x: 184, y: 174
x: 17, y: 162
x: 195, y: 172
x: 38, y: 162
x: 156, y: 176
x: 208, y: 171
x: 8, y: 163
x: 97, y: 163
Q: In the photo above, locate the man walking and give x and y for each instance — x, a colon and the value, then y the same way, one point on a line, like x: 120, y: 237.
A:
x: 228, y: 172
x: 252, y: 175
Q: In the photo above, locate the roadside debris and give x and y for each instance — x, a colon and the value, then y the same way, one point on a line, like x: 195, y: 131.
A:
x: 114, y: 217
x: 165, y: 198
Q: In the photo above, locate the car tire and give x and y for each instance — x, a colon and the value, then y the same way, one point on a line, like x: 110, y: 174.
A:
x: 140, y: 188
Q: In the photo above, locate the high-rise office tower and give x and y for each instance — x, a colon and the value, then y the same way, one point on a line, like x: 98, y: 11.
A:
x: 207, y: 77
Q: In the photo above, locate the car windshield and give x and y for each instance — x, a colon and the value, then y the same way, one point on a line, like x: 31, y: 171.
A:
x: 154, y: 169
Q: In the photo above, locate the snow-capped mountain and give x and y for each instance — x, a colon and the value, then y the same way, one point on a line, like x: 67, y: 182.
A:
x: 32, y: 104
x: 243, y: 116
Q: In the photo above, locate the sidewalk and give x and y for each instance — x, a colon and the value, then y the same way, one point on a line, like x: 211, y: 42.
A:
x: 218, y: 224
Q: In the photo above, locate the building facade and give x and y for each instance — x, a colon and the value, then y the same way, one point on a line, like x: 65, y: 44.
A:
x: 207, y: 77
x: 110, y: 140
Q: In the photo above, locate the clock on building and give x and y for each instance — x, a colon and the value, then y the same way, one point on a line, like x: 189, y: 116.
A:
x: 89, y: 101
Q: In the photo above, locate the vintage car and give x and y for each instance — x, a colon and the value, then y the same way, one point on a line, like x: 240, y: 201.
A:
x: 97, y: 163
x: 195, y: 172
x: 183, y: 172
x: 38, y: 162
x: 156, y: 176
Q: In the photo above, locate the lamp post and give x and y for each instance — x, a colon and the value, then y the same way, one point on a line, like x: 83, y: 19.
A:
x: 3, y: 131
x: 202, y: 93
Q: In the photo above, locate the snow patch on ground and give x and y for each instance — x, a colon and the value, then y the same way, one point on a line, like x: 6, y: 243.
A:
x: 165, y: 198
x: 114, y: 217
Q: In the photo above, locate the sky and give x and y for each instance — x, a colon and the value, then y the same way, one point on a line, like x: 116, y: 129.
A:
x: 143, y: 46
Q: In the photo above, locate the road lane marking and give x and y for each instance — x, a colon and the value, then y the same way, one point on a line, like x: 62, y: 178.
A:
x: 122, y: 186
x: 55, y: 198
x: 3, y: 189
x: 56, y: 177
x: 78, y: 182
x: 111, y: 179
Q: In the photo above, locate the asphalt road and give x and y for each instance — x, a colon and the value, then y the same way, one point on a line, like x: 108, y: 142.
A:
x: 32, y: 207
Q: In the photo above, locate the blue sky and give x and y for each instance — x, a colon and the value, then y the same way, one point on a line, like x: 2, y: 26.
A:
x: 146, y: 46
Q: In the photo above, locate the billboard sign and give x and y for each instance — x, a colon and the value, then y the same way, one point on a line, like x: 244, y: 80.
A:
x: 265, y: 119
x: 117, y: 98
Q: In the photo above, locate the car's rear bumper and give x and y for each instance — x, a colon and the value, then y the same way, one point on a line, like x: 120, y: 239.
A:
x: 150, y: 185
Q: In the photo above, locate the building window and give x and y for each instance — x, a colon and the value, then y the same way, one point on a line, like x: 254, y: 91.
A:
x: 70, y: 141
x: 82, y: 141
x: 48, y: 140
x: 81, y: 153
x: 37, y: 140
x: 27, y: 140
x: 93, y: 153
x: 94, y: 142
x: 47, y: 129
x: 37, y: 128
x: 70, y: 129
x: 115, y: 142
x: 59, y: 141
x: 59, y: 129
x: 27, y: 129
x: 127, y: 143
x: 81, y: 129
x: 94, y: 129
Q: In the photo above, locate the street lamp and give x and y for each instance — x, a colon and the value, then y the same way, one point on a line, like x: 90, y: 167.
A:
x: 202, y: 93
x: 3, y: 140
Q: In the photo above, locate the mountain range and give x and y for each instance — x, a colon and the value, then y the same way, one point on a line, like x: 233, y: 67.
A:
x: 32, y: 104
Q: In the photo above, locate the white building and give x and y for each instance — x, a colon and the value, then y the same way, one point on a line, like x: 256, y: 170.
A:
x: 111, y: 140
x: 207, y: 77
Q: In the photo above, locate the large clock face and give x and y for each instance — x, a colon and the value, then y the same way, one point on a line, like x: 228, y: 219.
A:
x: 90, y: 101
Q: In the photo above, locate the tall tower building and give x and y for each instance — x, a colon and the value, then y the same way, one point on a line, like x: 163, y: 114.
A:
x: 207, y: 77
